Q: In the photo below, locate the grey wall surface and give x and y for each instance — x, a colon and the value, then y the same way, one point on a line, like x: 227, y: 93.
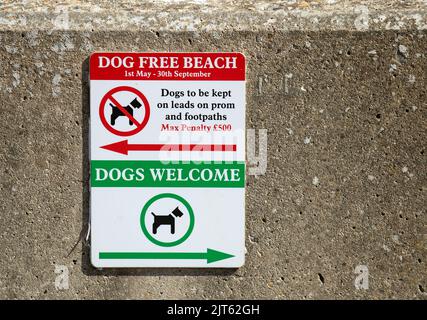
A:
x: 345, y: 186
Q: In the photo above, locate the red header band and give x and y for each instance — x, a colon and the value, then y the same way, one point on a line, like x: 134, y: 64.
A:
x: 167, y: 66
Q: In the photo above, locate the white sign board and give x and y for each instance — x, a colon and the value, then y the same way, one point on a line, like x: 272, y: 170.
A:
x: 167, y: 150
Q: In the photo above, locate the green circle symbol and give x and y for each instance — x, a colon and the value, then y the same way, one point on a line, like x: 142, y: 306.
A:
x: 144, y: 212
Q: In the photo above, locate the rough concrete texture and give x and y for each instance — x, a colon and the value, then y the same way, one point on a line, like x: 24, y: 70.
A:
x: 345, y: 110
x: 210, y: 15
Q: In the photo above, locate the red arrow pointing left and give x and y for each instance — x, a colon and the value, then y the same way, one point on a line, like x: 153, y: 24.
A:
x: 124, y: 147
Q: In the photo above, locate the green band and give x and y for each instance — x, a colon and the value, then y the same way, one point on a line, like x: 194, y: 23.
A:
x: 112, y: 173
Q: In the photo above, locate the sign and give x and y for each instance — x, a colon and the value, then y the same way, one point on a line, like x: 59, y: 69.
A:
x: 167, y: 151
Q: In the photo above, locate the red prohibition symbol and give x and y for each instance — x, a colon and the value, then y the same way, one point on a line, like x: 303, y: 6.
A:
x: 139, y: 125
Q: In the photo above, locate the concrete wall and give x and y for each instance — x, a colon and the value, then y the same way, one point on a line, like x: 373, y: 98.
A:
x: 339, y: 85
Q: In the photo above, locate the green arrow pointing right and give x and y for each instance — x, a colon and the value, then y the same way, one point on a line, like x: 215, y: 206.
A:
x: 213, y: 255
x: 210, y: 255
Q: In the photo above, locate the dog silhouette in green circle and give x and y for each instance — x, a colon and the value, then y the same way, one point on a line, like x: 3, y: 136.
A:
x: 169, y: 219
